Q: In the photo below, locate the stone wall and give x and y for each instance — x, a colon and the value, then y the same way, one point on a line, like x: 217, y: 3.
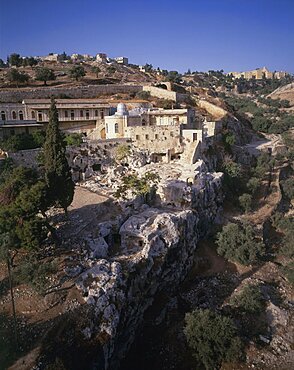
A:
x: 161, y: 93
x: 90, y: 91
x: 26, y: 158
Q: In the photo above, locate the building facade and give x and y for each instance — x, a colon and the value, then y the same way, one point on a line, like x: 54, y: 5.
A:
x: 75, y: 115
x: 258, y: 74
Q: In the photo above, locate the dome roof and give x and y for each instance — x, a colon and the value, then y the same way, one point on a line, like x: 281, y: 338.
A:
x: 121, y: 109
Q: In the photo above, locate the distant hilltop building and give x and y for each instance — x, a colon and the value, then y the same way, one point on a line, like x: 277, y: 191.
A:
x: 101, y: 57
x: 259, y: 74
x: 122, y: 60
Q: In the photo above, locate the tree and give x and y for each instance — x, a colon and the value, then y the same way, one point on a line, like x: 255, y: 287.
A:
x: 111, y: 69
x: 14, y: 60
x: 212, y: 337
x: 288, y: 187
x: 74, y: 139
x: 96, y: 70
x: 174, y: 76
x: 6, y: 248
x: 57, y: 171
x: 253, y: 184
x: 45, y: 74
x: 122, y: 152
x: 2, y: 64
x: 32, y: 61
x: 135, y: 186
x: 245, y: 201
x: 148, y: 67
x: 77, y: 72
x: 239, y: 243
x: 18, y: 77
x: 249, y: 300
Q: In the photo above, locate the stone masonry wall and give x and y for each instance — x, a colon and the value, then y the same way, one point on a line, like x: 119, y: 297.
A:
x: 78, y: 92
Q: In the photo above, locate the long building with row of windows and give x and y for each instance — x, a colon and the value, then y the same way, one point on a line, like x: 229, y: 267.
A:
x: 166, y: 133
x: 75, y: 115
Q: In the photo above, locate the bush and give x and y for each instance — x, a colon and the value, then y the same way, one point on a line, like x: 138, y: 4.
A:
x: 33, y: 272
x: 253, y: 184
x: 24, y: 141
x: 212, y: 337
x: 250, y: 300
x: 238, y: 243
x: 245, y: 201
x: 144, y: 95
x: 288, y: 188
x: 121, y: 152
x: 74, y: 139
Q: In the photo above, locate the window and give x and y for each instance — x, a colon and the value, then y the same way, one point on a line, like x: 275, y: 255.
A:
x: 87, y: 114
x: 96, y: 113
x: 81, y: 113
x: 40, y: 116
x: 106, y: 128
x: 33, y: 114
x: 101, y: 114
x: 171, y: 134
x: 72, y: 114
x: 156, y: 136
x: 147, y: 137
x: 66, y: 114
x: 116, y: 128
x: 194, y: 137
x: 13, y: 115
x: 137, y: 137
x: 3, y: 115
x: 143, y: 122
x: 20, y: 115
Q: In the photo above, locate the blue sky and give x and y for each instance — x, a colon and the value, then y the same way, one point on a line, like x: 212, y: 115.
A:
x: 172, y: 34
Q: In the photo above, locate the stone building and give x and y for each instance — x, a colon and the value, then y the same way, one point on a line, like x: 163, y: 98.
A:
x: 165, y: 133
x: 258, y: 74
x: 101, y: 57
x: 75, y: 115
x: 122, y: 60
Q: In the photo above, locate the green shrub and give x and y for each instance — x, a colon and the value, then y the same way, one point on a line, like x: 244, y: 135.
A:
x: 121, y: 152
x: 212, y: 338
x: 74, y: 139
x: 288, y: 187
x: 36, y: 273
x: 253, y: 184
x: 250, y: 300
x: 245, y: 201
x: 239, y: 243
x: 144, y: 95
x: 24, y: 141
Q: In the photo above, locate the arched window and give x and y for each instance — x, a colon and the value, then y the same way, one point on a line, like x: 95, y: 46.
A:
x: 81, y: 113
x: 96, y: 113
x: 13, y: 114
x: 116, y: 128
x: 40, y: 116
x: 20, y: 115
x: 33, y: 114
x: 87, y: 114
x: 66, y: 114
x: 72, y: 114
x: 3, y: 115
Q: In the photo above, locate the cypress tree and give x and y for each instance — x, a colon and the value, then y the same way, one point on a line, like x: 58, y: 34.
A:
x: 57, y: 171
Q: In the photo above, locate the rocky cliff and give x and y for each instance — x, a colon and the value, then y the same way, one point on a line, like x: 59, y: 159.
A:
x: 135, y: 256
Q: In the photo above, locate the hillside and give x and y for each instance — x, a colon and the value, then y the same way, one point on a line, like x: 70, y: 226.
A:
x: 284, y: 92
